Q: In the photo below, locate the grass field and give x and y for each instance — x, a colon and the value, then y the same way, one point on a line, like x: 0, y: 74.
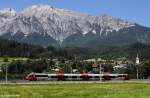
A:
x: 10, y: 60
x: 108, y: 90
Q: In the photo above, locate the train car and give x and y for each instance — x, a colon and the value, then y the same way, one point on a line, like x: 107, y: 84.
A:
x: 74, y: 77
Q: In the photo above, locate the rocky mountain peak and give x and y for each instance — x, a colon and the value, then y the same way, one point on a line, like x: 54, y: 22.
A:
x: 113, y: 23
x: 44, y: 21
x: 7, y: 12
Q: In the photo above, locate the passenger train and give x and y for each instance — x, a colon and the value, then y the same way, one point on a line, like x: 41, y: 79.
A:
x: 74, y: 77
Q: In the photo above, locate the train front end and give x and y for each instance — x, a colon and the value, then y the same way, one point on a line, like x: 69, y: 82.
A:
x: 31, y: 77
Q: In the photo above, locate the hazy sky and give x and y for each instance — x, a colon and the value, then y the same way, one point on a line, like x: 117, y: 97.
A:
x: 136, y: 11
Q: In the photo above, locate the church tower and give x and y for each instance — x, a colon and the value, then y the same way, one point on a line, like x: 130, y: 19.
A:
x: 137, y: 60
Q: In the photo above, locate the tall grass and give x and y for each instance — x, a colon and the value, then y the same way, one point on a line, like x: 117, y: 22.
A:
x: 125, y: 90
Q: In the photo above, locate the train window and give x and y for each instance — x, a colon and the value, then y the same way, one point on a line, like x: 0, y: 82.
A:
x: 41, y: 75
x: 53, y: 77
x: 74, y: 76
x: 31, y: 76
x: 90, y: 77
x: 119, y: 75
x: 112, y: 76
x: 96, y: 76
x: 66, y: 76
x: 84, y: 76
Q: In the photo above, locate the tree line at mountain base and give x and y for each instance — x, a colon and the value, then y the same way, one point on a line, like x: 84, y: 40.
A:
x: 38, y: 56
x: 15, y: 49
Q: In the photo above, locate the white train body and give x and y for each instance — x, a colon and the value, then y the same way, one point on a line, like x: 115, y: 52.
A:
x: 74, y: 77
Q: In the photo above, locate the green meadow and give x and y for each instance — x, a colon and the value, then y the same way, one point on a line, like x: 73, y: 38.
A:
x: 106, y: 90
x: 10, y: 60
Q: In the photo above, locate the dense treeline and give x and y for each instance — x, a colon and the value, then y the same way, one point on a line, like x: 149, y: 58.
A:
x: 112, y: 52
x: 15, y: 49
x: 143, y: 51
x: 21, y: 67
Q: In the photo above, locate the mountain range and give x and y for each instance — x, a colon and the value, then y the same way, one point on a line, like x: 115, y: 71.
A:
x: 45, y: 25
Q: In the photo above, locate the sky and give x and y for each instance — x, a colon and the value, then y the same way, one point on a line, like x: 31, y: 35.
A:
x: 135, y: 11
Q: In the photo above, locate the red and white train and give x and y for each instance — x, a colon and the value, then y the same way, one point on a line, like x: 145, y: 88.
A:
x: 75, y: 77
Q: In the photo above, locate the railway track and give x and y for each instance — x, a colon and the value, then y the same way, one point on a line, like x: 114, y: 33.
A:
x: 24, y: 82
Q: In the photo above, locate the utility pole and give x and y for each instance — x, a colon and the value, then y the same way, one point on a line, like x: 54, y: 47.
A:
x: 6, y: 60
x: 100, y: 71
x: 71, y: 69
x: 6, y: 79
x: 47, y: 62
x: 137, y: 64
x: 137, y: 74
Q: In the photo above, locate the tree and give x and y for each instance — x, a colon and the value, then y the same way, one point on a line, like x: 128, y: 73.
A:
x: 16, y: 67
x: 108, y: 68
x: 145, y: 70
x: 5, y: 59
x: 131, y: 70
x: 120, y: 70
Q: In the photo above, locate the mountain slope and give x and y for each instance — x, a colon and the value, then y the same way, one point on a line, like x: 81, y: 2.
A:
x: 115, y: 38
x: 45, y: 25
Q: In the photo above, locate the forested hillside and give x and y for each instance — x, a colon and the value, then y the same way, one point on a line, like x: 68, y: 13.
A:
x: 111, y: 52
x: 15, y: 49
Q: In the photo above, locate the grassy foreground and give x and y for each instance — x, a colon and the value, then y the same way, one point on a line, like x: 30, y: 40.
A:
x: 122, y: 90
